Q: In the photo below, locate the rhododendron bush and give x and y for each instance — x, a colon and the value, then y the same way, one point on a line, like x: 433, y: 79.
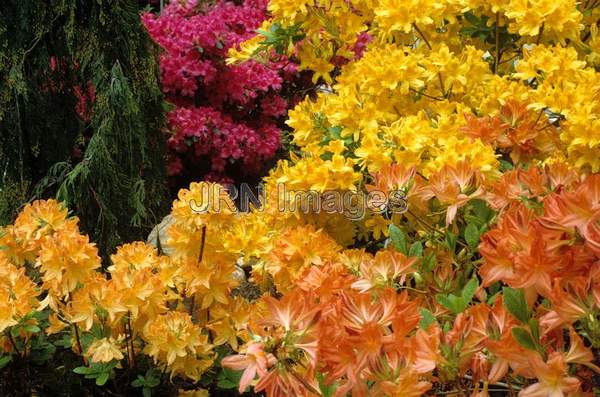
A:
x: 224, y: 114
x: 465, y: 262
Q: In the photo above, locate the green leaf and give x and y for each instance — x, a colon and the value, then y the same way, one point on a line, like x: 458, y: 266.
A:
x: 42, y: 351
x: 152, y: 382
x: 398, y: 239
x: 472, y: 19
x: 451, y: 241
x: 83, y: 370
x: 456, y: 304
x: 416, y: 249
x: 446, y: 327
x: 469, y: 290
x: 147, y: 392
x: 139, y: 382
x: 226, y: 384
x: 427, y: 318
x: 535, y: 329
x: 492, y: 298
x: 472, y: 219
x: 469, y: 31
x: 524, y: 338
x: 515, y: 303
x: 505, y: 166
x: 4, y: 360
x: 429, y: 262
x: 472, y: 235
x: 481, y: 209
x: 326, y: 390
x: 228, y: 378
x: 102, y: 378
x: 64, y: 342
x: 152, y: 377
x: 34, y: 329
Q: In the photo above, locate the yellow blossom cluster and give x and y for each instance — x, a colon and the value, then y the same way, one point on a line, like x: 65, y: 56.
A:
x: 431, y: 64
x: 172, y: 309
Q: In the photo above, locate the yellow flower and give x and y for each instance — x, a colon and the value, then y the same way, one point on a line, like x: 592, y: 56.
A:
x: 288, y: 11
x: 104, y: 350
x: 247, y: 49
x: 193, y: 393
x: 134, y: 256
x: 18, y: 294
x: 224, y: 332
x: 378, y: 225
x: 296, y: 250
x: 40, y: 218
x: 55, y: 324
x: 399, y: 15
x: 67, y: 259
x: 202, y: 204
x: 37, y: 221
x: 173, y: 335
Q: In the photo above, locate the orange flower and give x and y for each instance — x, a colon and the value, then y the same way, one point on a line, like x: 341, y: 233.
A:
x: 254, y: 361
x: 386, y: 268
x: 42, y: 217
x: 453, y: 187
x: 568, y: 210
x: 296, y: 251
x: 428, y: 355
x: 407, y: 384
x: 552, y: 376
x: 567, y: 308
x: 391, y: 178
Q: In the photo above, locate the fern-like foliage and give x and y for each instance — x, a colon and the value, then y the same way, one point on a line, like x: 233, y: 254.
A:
x: 81, y: 113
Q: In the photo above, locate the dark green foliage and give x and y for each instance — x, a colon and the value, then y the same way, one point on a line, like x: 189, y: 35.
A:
x: 117, y: 184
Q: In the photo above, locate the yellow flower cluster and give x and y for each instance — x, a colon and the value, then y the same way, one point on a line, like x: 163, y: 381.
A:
x: 173, y: 309
x: 406, y: 98
x: 18, y: 294
x: 439, y: 83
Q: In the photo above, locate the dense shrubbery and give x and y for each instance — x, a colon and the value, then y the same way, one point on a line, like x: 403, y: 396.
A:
x: 481, y: 277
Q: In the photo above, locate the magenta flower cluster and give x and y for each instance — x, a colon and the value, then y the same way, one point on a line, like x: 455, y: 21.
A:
x: 223, y: 113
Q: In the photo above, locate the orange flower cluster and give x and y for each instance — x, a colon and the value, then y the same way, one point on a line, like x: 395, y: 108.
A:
x: 483, y: 283
x: 397, y: 325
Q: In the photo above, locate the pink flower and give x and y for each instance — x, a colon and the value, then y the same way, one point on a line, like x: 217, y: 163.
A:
x: 223, y: 113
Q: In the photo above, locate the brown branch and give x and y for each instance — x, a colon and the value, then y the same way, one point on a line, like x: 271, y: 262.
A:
x: 422, y: 36
x: 132, y: 362
x: 442, y: 86
x: 509, y: 59
x: 76, y: 329
x: 12, y: 342
x: 428, y: 44
x: 539, y: 38
x: 202, y: 242
x: 498, y: 52
x: 426, y: 95
x: 192, y: 306
x: 422, y: 176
